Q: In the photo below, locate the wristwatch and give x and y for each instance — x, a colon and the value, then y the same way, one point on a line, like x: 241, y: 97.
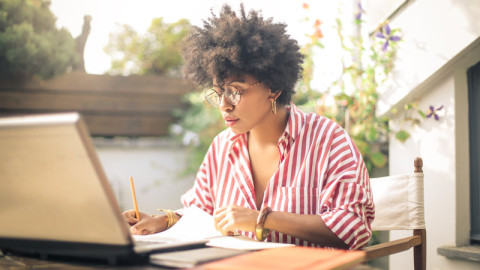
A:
x: 260, y: 232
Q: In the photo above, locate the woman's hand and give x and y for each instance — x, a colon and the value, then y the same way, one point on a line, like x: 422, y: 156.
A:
x: 231, y: 218
x: 147, y: 224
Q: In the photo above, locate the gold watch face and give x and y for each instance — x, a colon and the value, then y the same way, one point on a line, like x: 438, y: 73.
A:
x: 261, y: 233
x: 265, y: 233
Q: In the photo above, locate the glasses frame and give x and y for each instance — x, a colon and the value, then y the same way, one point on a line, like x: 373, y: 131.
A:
x: 233, y: 97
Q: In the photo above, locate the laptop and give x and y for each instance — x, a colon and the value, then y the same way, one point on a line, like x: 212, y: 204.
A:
x: 55, y: 198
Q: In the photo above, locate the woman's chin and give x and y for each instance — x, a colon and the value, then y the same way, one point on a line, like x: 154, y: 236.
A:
x: 237, y: 130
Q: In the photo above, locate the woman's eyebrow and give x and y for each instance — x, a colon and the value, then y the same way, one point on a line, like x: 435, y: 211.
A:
x: 237, y: 81
x: 228, y: 83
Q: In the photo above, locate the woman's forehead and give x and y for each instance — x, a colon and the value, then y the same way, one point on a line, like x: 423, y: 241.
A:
x: 235, y: 78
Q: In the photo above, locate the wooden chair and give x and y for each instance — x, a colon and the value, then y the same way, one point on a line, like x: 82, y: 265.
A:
x: 399, y: 206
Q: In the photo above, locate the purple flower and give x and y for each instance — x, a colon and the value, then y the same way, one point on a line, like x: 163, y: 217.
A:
x: 432, y: 112
x: 386, y: 33
x: 360, y: 11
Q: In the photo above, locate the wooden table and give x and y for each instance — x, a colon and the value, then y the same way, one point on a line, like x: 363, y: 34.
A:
x: 277, y: 258
x: 294, y: 257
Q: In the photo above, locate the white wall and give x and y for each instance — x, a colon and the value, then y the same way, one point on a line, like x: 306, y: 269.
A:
x: 433, y: 31
x: 440, y: 41
x: 444, y: 147
x: 156, y: 166
x: 434, y: 142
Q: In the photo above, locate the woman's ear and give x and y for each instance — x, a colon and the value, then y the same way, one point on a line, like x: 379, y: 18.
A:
x: 274, y: 95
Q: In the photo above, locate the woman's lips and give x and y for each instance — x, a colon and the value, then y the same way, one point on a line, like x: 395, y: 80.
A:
x: 230, y: 122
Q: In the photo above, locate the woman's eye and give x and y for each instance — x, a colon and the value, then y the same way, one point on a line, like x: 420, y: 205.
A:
x: 233, y: 90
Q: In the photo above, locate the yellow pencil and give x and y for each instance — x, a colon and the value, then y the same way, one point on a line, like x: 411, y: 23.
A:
x: 134, y: 198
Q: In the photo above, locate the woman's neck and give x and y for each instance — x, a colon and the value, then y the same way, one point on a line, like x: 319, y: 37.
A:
x: 272, y: 128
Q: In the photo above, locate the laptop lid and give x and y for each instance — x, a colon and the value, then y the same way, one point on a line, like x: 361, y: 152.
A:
x: 54, y: 195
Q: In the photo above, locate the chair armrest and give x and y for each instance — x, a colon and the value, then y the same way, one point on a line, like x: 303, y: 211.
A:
x: 392, y: 247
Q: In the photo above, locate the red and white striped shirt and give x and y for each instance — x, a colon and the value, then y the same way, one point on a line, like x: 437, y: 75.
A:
x: 320, y: 172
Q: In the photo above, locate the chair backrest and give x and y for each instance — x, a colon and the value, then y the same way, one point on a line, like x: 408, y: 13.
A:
x: 398, y: 202
x: 399, y: 205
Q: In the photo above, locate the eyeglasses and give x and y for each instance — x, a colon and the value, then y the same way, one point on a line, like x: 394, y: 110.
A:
x: 232, y: 94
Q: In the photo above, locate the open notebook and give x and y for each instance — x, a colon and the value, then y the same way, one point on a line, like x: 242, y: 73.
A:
x: 55, y: 198
x: 197, y: 224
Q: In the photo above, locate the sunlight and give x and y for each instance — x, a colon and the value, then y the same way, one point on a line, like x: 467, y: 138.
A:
x: 107, y: 14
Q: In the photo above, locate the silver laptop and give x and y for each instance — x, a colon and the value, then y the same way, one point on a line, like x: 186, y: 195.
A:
x: 54, y: 196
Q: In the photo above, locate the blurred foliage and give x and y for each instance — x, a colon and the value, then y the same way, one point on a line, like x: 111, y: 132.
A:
x: 351, y: 100
x: 30, y: 43
x: 156, y: 52
x: 197, y: 127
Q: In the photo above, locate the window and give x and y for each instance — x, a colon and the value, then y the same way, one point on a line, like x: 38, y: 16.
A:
x: 473, y: 75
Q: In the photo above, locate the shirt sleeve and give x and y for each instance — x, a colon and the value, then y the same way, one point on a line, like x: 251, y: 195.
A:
x: 347, y: 207
x: 201, y: 194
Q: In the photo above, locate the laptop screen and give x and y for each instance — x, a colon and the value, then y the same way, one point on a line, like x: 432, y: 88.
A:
x: 52, y: 186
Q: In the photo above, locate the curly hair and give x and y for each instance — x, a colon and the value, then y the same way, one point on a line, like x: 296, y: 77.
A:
x: 231, y: 45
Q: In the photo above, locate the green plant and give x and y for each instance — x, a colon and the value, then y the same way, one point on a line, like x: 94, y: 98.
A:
x: 156, y: 52
x: 197, y: 127
x: 352, y: 99
x: 30, y: 43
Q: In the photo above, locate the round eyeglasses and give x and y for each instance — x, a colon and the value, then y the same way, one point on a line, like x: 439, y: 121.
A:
x: 232, y: 94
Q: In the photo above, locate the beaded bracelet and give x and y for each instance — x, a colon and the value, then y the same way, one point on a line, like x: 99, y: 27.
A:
x: 172, y: 217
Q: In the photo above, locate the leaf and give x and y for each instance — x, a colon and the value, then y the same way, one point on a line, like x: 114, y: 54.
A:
x: 319, y: 44
x: 422, y: 114
x: 357, y: 130
x: 362, y: 146
x: 402, y: 135
x: 372, y: 134
x: 368, y: 164
x: 378, y: 159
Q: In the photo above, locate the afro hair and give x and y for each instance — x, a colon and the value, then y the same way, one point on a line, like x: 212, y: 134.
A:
x: 230, y: 45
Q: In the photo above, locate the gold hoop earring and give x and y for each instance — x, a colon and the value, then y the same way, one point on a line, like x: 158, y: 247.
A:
x: 274, y: 106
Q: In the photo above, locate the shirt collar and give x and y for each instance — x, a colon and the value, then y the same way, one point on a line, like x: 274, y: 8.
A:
x: 296, y: 120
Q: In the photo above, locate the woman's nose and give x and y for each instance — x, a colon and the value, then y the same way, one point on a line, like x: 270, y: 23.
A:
x: 225, y: 104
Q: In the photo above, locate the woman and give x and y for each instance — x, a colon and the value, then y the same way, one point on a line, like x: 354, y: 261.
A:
x: 276, y: 172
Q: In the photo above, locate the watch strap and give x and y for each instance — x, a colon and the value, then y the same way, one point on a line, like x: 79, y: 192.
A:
x: 260, y: 232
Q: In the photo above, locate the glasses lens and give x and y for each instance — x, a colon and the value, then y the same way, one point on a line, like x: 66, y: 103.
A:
x: 232, y: 95
x: 212, y: 97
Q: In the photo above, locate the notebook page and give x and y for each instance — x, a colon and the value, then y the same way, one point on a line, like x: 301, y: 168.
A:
x: 195, y: 224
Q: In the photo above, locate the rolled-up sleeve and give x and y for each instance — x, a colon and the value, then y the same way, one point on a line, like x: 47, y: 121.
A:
x: 347, y: 203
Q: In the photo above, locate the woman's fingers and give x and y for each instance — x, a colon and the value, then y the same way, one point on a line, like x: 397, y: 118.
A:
x: 149, y: 225
x: 130, y: 217
x: 220, y: 220
x: 146, y: 225
x: 232, y: 218
x: 220, y: 224
x: 218, y: 216
x: 140, y: 228
x: 227, y: 226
